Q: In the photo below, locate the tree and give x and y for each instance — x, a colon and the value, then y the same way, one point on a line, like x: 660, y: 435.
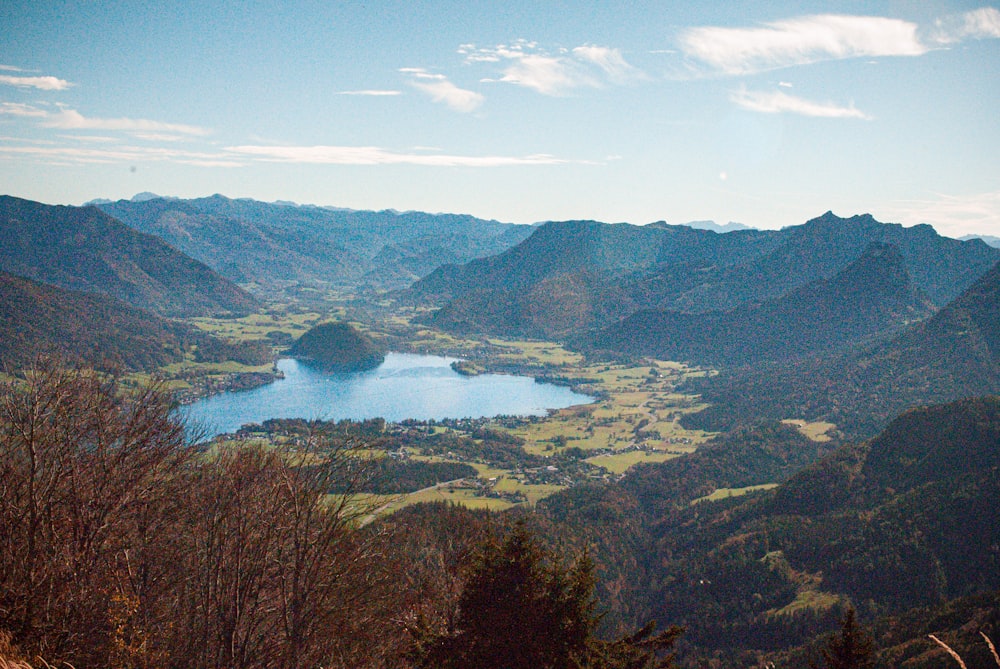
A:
x: 123, y: 547
x: 521, y: 609
x: 852, y: 648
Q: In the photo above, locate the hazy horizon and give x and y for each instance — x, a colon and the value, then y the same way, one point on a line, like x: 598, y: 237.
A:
x: 767, y: 116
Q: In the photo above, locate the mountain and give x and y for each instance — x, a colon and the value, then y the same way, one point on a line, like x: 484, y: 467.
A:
x: 338, y: 347
x: 570, y: 276
x: 715, y: 227
x: 908, y: 519
x: 38, y: 319
x: 273, y: 244
x: 954, y: 354
x: 989, y: 239
x: 82, y: 248
x: 871, y: 296
x: 604, y: 273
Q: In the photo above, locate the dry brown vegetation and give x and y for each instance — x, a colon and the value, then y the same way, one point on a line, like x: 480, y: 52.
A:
x: 121, y: 546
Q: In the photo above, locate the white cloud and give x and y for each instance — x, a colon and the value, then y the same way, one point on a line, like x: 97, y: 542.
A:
x: 525, y: 64
x: 69, y: 155
x: 610, y: 61
x: 778, y: 102
x: 373, y: 155
x: 41, y: 83
x: 981, y: 23
x: 372, y: 93
x: 951, y: 215
x: 799, y: 41
x: 440, y: 89
x: 23, y: 110
x: 70, y: 119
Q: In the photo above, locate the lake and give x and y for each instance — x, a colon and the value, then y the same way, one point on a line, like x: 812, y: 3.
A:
x: 421, y: 387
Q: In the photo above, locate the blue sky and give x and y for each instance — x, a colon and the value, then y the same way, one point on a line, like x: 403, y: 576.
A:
x: 764, y: 113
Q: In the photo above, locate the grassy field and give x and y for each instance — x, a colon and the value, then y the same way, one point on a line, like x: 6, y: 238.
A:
x: 817, y: 431
x: 723, y: 493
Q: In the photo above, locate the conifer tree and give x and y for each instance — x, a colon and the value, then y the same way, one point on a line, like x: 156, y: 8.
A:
x: 852, y: 648
x: 521, y: 609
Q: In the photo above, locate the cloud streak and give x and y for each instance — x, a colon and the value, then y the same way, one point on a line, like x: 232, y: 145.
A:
x: 778, y: 102
x: 952, y: 215
x: 981, y: 23
x: 440, y: 89
x: 525, y: 64
x: 373, y: 155
x: 811, y: 39
x: 119, y: 154
x: 70, y: 119
x: 22, y: 110
x: 799, y: 41
x: 40, y: 83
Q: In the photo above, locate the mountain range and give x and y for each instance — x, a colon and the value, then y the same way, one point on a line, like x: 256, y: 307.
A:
x: 574, y: 276
x: 272, y: 245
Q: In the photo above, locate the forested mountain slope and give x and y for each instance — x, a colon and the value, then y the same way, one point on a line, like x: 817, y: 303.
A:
x: 82, y: 248
x: 871, y: 296
x: 38, y: 319
x: 908, y: 519
x: 954, y: 354
x: 586, y: 274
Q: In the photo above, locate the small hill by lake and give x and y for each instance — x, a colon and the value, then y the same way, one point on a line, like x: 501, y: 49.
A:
x: 338, y: 347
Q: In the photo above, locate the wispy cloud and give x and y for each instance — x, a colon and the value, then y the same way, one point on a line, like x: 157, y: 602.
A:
x: 440, y: 89
x: 525, y: 64
x: 777, y: 102
x: 799, y: 41
x: 951, y: 215
x: 981, y: 23
x: 117, y: 154
x: 371, y: 93
x: 70, y: 119
x: 373, y: 155
x: 41, y: 83
x: 610, y: 61
x: 22, y: 110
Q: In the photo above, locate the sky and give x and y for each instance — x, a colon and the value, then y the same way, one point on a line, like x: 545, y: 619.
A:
x: 767, y: 114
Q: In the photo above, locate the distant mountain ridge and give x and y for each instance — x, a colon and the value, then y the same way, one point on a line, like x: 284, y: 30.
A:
x: 82, y: 248
x: 715, y: 227
x: 588, y: 275
x: 273, y: 243
x: 871, y: 296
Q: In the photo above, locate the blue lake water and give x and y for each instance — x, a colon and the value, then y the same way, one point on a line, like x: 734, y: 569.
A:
x: 422, y: 387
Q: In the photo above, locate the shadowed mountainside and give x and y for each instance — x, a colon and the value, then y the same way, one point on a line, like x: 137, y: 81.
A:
x: 954, y: 354
x: 82, y: 248
x: 38, y: 319
x: 871, y: 296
